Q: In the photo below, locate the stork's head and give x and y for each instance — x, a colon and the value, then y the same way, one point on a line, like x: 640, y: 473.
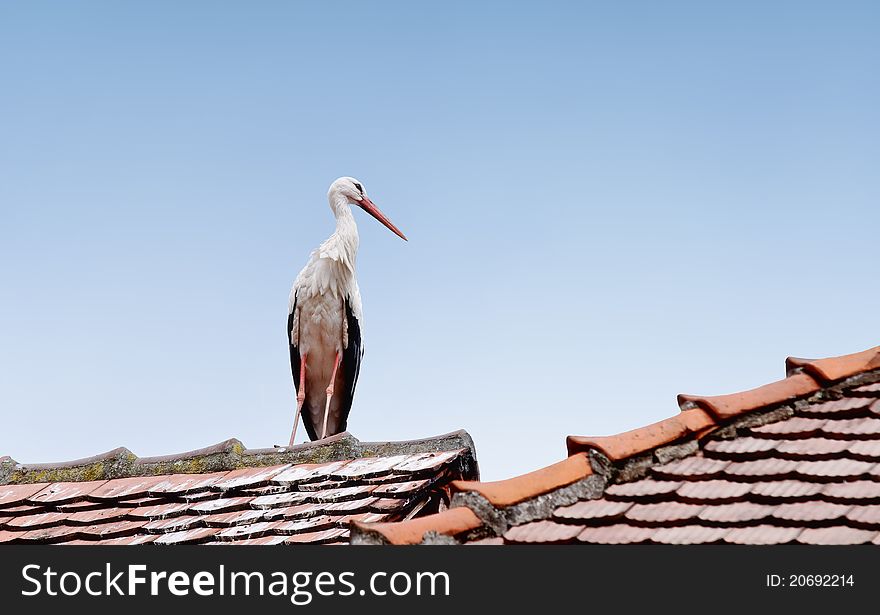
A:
x: 354, y: 194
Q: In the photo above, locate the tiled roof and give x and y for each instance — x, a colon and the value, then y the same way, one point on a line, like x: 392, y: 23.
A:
x: 226, y: 493
x: 794, y: 461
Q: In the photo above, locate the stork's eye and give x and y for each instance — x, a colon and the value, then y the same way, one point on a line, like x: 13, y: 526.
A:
x: 359, y: 187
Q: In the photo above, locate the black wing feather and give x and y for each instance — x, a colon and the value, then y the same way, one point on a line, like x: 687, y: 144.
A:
x: 351, y: 363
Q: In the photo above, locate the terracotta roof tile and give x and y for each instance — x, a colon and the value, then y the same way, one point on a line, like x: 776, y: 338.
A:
x: 185, y: 483
x: 322, y: 537
x: 174, y: 524
x: 762, y: 535
x: 7, y: 536
x: 691, y: 468
x: 250, y: 530
x: 855, y: 427
x: 840, y: 407
x: 11, y: 495
x: 763, y: 467
x: 248, y: 477
x: 811, y: 511
x: 736, y: 513
x: 837, y: 368
x: 715, y: 491
x: 641, y: 489
x: 868, y: 389
x: 192, y: 536
x: 848, y: 469
x: 221, y: 505
x: 798, y: 426
x: 55, y: 533
x: 838, y: 535
x: 137, y: 486
x: 31, y: 522
x: 88, y: 517
x: 864, y: 490
x: 865, y: 450
x: 308, y: 472
x: 113, y: 529
x: 402, y: 489
x: 615, y: 534
x: 426, y: 462
x: 543, y: 532
x: 236, y: 517
x: 160, y: 511
x: 269, y: 503
x: 808, y: 473
x: 745, y: 447
x: 593, y: 509
x: 663, y: 512
x: 450, y: 522
x: 368, y: 467
x: 866, y: 516
x: 493, y: 541
x: 724, y: 407
x: 786, y: 490
x: 688, y: 422
x: 689, y: 535
x: 812, y: 448
x: 64, y: 492
x: 527, y: 486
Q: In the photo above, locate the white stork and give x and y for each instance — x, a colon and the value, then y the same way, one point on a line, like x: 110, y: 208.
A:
x: 324, y: 318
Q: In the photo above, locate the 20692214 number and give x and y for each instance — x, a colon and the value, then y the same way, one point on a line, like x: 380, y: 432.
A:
x: 820, y: 580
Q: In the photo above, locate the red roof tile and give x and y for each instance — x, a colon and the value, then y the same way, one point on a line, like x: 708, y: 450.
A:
x: 543, y: 532
x: 797, y: 460
x: 507, y: 492
x: 615, y: 534
x: 284, y: 501
x: 762, y: 535
x: 451, y: 522
x: 837, y: 368
x: 724, y: 407
x: 633, y: 442
x: 838, y: 535
x: 593, y: 509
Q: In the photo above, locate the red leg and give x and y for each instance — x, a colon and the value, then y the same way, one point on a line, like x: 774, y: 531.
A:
x: 329, y: 396
x: 300, y: 398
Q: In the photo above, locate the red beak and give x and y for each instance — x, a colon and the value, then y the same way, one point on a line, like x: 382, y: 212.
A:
x: 367, y: 205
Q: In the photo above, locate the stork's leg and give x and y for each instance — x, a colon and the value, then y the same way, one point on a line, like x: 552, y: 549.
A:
x: 329, y: 396
x: 300, y: 398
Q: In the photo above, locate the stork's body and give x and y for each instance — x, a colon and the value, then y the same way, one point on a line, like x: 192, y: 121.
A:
x: 324, y: 319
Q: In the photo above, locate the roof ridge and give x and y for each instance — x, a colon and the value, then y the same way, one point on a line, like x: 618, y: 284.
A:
x: 450, y: 523
x: 671, y: 438
x: 804, y: 377
x: 230, y: 454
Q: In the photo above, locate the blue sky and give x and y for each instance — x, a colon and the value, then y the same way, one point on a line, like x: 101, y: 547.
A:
x: 607, y: 204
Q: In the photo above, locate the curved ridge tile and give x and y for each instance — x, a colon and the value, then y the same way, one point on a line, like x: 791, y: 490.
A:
x: 726, y: 407
x: 526, y: 486
x: 837, y: 368
x: 451, y: 522
x: 694, y: 421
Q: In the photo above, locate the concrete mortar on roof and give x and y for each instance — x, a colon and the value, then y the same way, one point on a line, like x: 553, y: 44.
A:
x: 500, y: 520
x: 232, y: 455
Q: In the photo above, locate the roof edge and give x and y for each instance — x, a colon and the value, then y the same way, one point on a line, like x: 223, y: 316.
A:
x: 451, y: 523
x: 503, y: 493
x: 231, y: 454
x: 833, y: 369
x: 670, y: 438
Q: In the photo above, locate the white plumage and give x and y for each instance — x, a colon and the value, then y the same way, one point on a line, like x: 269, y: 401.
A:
x: 325, y: 316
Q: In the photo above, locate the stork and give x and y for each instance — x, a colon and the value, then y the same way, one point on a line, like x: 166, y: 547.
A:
x: 324, y: 318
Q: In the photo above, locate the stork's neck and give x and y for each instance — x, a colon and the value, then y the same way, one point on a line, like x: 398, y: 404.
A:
x: 346, y: 234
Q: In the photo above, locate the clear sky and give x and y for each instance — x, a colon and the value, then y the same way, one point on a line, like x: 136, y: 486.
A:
x: 607, y: 204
